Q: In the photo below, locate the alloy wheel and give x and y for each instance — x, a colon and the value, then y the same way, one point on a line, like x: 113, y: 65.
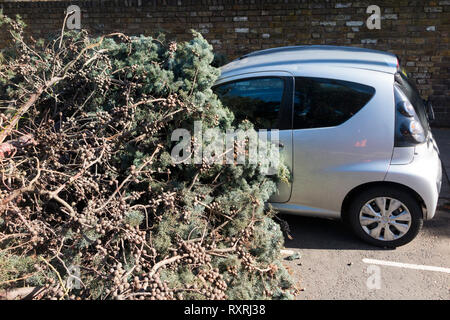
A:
x: 385, y: 218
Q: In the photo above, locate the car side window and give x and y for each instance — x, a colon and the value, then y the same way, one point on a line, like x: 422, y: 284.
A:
x: 322, y: 103
x: 257, y: 100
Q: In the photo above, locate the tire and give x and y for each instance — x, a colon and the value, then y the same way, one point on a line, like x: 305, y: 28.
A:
x: 390, y: 229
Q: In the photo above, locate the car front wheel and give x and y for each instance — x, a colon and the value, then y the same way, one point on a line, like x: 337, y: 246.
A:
x: 385, y: 217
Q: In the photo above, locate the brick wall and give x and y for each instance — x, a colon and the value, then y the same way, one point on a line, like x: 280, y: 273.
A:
x: 418, y: 31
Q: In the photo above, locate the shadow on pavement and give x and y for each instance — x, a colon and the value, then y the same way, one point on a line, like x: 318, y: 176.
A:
x: 315, y: 233
x: 439, y: 226
x: 442, y: 136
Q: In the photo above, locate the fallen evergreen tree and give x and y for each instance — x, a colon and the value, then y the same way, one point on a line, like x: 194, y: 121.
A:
x: 91, y: 204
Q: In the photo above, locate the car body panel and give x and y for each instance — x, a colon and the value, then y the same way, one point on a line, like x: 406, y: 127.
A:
x: 402, y: 155
x: 321, y: 57
x: 328, y: 163
x: 423, y: 175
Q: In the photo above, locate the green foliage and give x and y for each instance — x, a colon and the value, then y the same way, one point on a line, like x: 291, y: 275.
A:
x: 134, y: 218
x: 99, y: 190
x: 13, y: 266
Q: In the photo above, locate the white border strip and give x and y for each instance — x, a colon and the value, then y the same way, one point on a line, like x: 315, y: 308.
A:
x: 406, y: 265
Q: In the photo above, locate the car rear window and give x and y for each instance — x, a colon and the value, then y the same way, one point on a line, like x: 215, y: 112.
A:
x: 320, y: 103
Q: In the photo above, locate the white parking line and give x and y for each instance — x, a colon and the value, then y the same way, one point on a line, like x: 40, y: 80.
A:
x: 406, y: 265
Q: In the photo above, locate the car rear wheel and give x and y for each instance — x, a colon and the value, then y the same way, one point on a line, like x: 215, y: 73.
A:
x: 385, y: 217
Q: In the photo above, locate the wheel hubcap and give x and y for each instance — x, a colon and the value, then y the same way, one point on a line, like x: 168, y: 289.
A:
x: 385, y: 218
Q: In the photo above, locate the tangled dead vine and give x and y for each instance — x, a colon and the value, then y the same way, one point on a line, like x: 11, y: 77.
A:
x: 91, y: 205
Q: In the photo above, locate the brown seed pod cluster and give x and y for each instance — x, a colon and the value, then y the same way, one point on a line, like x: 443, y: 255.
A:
x: 90, y: 183
x: 165, y: 200
x: 186, y: 215
x: 172, y: 101
x: 248, y: 261
x: 196, y: 253
x: 141, y: 287
x: 232, y: 270
x: 215, y: 291
x: 172, y: 46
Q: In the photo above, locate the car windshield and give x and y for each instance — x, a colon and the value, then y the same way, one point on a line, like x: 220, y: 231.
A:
x: 411, y: 92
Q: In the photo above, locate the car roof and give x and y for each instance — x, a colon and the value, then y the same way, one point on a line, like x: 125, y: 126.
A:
x: 296, y: 57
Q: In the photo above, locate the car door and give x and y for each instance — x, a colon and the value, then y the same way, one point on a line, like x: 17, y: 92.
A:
x: 340, y: 141
x: 265, y: 99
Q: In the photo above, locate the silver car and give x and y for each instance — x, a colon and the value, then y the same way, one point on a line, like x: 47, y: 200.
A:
x: 353, y: 131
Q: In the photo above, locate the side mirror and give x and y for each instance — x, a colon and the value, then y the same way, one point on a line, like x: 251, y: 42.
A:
x: 429, y: 110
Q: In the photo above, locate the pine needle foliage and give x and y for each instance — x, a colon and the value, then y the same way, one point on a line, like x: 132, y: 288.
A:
x: 91, y: 205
